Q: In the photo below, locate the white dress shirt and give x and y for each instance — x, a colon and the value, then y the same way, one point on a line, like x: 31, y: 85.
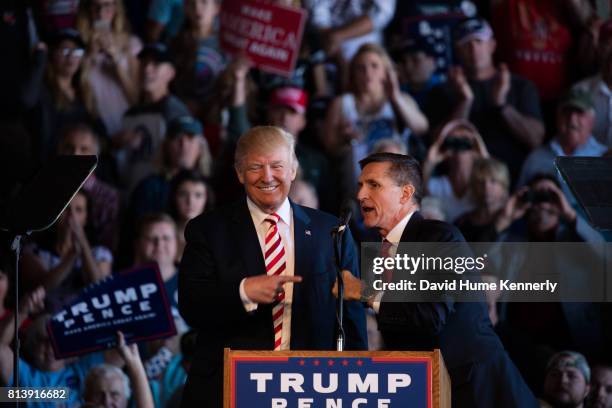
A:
x: 285, y: 229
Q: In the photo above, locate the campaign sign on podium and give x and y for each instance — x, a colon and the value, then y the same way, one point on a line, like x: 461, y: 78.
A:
x: 322, y: 379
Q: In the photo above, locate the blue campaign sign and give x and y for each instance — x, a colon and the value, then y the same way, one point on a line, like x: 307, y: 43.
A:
x: 334, y: 382
x: 133, y: 302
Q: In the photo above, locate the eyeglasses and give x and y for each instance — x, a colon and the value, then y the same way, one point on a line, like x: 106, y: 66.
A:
x: 72, y: 52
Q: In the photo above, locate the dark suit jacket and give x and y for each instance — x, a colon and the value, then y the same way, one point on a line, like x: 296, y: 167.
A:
x: 222, y: 249
x: 481, y: 373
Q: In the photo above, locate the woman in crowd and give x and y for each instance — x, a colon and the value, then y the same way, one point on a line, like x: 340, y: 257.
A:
x: 156, y: 242
x: 490, y: 184
x: 374, y: 109
x: 457, y: 145
x: 198, y: 55
x: 65, y: 260
x: 63, y: 99
x: 110, y: 67
x: 189, y: 196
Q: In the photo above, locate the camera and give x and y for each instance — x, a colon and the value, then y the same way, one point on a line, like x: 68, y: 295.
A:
x: 457, y: 144
x: 538, y: 196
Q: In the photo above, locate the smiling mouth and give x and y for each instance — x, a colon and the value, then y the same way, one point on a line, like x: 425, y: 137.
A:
x: 367, y: 210
x: 267, y: 188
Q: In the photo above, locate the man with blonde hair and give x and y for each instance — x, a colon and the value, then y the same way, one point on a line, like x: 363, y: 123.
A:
x: 258, y: 274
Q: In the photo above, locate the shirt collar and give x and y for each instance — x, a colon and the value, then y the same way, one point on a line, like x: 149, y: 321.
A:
x: 395, y: 235
x: 284, y: 212
x: 589, y: 148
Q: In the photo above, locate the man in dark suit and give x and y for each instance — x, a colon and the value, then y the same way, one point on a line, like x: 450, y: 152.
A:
x: 482, y: 375
x: 258, y: 274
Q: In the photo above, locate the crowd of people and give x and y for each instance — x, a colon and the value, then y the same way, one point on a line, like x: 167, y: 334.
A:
x: 483, y: 94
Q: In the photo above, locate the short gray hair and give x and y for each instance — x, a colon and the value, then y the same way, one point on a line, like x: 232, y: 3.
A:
x: 106, y: 371
x: 403, y: 170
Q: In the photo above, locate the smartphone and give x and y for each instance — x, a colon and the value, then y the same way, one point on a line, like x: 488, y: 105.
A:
x: 102, y: 25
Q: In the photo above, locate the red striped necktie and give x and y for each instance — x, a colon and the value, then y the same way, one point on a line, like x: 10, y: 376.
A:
x: 275, y: 265
x: 385, y: 251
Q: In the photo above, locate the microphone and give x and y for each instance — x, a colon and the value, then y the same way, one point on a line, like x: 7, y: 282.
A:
x: 345, y: 217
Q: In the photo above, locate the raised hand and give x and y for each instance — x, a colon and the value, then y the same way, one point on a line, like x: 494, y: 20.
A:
x: 33, y: 302
x: 240, y: 67
x: 78, y: 232
x: 514, y: 209
x: 353, y: 287
x: 458, y: 80
x: 435, y: 155
x: 332, y: 42
x: 501, y: 86
x: 479, y: 144
x: 129, y: 353
x: 350, y: 131
x: 392, y: 85
x: 567, y: 211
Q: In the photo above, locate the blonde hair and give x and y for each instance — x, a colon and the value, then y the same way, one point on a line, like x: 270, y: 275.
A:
x: 365, y: 49
x: 82, y: 88
x: 120, y: 27
x: 264, y: 139
x: 493, y: 168
x: 455, y: 124
x: 120, y: 30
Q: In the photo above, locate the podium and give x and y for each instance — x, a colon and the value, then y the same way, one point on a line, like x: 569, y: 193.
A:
x: 332, y: 379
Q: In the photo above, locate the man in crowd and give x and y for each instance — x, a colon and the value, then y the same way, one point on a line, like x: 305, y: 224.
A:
x: 599, y: 86
x: 107, y: 385
x: 253, y: 261
x: 601, y: 387
x: 287, y: 110
x: 504, y: 107
x: 81, y: 139
x: 567, y: 380
x: 145, y: 124
x: 575, y: 119
x: 416, y: 65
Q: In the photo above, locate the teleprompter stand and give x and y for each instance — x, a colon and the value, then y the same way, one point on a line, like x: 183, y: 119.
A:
x: 36, y: 207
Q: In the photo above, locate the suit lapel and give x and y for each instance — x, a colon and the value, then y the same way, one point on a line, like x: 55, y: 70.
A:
x: 411, y: 230
x: 247, y: 241
x: 303, y: 250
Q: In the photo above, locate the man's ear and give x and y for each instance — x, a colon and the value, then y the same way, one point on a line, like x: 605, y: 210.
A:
x: 295, y: 164
x: 293, y: 173
x: 239, y: 174
x: 493, y: 45
x: 170, y: 72
x: 407, y: 193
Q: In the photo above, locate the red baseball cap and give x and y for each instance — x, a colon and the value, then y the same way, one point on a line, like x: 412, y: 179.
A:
x: 293, y: 97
